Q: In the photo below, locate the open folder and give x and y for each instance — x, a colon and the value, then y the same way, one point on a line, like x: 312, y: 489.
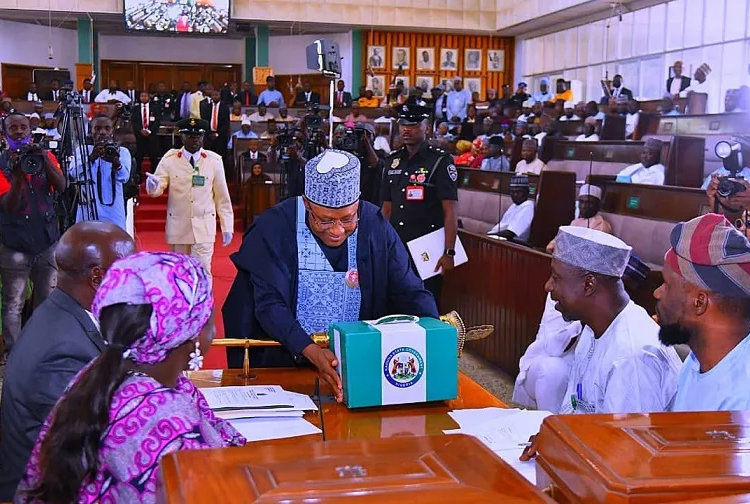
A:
x: 427, y: 250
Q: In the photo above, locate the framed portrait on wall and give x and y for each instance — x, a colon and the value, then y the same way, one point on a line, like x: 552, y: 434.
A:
x: 495, y: 60
x: 377, y: 84
x: 404, y: 79
x: 448, y: 59
x: 425, y: 82
x: 473, y: 84
x: 400, y: 58
x: 473, y: 60
x: 447, y: 84
x: 425, y: 58
x: 376, y: 57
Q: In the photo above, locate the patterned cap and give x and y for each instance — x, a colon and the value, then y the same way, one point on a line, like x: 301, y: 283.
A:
x: 709, y: 252
x: 332, y: 179
x: 705, y: 69
x: 653, y: 143
x: 519, y: 181
x: 569, y: 104
x: 174, y: 284
x: 592, y: 250
x: 590, y: 190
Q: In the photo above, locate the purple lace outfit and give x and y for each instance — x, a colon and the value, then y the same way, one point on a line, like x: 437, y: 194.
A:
x: 148, y: 420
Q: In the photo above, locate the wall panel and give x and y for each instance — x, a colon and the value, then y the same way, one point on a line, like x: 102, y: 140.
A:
x: 489, y: 79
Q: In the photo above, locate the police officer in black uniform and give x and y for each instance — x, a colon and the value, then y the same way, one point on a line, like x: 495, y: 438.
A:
x: 419, y: 189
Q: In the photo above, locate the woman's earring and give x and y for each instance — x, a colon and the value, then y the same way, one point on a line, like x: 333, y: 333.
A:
x: 196, y: 359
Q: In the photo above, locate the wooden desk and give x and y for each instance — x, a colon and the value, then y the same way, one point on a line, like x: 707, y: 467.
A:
x: 502, y: 285
x: 669, y: 203
x: 489, y: 181
x: 659, y: 457
x: 707, y: 124
x: 426, y: 419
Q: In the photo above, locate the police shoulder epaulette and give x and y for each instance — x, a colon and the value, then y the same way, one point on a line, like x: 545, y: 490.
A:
x: 396, y: 152
x: 210, y: 154
x: 172, y: 153
x: 438, y: 150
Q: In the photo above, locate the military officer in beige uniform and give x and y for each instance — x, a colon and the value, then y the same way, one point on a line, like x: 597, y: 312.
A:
x: 197, y: 193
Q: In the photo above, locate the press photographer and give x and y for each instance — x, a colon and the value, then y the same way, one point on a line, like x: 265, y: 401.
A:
x: 30, y: 179
x: 360, y: 141
x: 728, y: 187
x: 110, y: 166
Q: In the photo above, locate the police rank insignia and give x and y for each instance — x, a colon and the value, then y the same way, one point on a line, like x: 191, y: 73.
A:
x: 452, y: 172
x: 395, y: 163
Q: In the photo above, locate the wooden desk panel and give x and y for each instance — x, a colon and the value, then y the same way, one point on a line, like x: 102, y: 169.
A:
x: 708, y: 124
x: 454, y: 468
x: 503, y: 285
x: 489, y: 181
x: 658, y: 457
x: 610, y: 151
x: 669, y: 203
x: 426, y: 419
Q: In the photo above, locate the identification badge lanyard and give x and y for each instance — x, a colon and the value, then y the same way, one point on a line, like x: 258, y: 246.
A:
x: 198, y: 180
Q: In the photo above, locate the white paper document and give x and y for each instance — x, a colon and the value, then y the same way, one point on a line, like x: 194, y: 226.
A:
x: 256, y: 397
x: 257, y: 413
x: 427, y: 250
x: 261, y: 429
x: 503, y: 431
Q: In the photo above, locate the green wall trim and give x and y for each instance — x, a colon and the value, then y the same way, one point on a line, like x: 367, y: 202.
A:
x: 358, y: 48
x: 249, y: 58
x: 262, y: 36
x: 85, y: 40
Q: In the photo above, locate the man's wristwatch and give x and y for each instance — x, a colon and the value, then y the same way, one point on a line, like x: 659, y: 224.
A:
x: 450, y: 252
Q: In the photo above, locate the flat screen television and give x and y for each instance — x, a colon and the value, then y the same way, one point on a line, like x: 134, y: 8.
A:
x: 177, y: 16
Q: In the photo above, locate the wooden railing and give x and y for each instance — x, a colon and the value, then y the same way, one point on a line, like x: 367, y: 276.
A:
x: 503, y: 285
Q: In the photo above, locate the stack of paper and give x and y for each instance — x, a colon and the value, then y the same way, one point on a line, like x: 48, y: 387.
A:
x: 261, y: 412
x: 504, y: 431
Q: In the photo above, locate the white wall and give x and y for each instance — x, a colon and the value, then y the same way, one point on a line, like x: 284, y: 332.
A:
x: 286, y: 54
x: 177, y: 49
x: 26, y: 44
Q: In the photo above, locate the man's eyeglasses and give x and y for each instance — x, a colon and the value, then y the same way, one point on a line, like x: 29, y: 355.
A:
x: 345, y: 222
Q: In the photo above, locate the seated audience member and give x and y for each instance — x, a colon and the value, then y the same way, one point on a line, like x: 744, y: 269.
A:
x: 544, y: 125
x: 543, y: 95
x: 544, y: 369
x: 236, y: 113
x: 479, y: 149
x: 39, y: 108
x: 44, y: 361
x: 521, y: 95
x: 35, y: 123
x: 31, y: 94
x: 649, y: 170
x: 284, y: 116
x: 256, y: 174
x: 112, y: 95
x: 516, y: 221
x: 678, y: 82
x: 6, y: 106
x: 306, y: 95
x: 270, y: 97
x: 468, y: 125
x: 698, y: 85
x: 496, y: 160
x: 589, y: 131
x: 443, y: 133
x: 271, y: 130
x: 521, y: 130
x: 631, y: 118
x: 667, y: 107
x: 705, y: 303
x: 492, y: 99
x: 737, y: 100
x: 589, y: 216
x: 50, y: 124
x: 563, y: 92
x: 245, y: 131
x: 464, y: 153
x: 526, y: 114
x: 569, y: 112
x: 592, y: 110
x: 529, y: 162
x: 355, y: 116
x: 262, y: 115
x: 253, y: 151
x: 137, y: 386
x: 369, y: 100
x: 619, y: 366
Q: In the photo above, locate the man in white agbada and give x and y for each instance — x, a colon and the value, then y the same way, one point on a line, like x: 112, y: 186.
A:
x: 546, y: 364
x: 619, y: 366
x: 649, y: 170
x: 516, y: 221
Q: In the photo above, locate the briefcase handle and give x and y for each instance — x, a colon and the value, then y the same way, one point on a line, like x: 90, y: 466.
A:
x: 396, y: 319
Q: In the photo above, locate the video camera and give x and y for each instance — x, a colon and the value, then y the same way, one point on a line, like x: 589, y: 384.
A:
x: 352, y: 139
x: 731, y: 155
x: 30, y: 158
x: 313, y: 119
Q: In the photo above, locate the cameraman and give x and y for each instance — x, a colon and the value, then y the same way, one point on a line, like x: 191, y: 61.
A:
x: 29, y: 181
x: 371, y: 160
x: 740, y: 200
x: 110, y: 166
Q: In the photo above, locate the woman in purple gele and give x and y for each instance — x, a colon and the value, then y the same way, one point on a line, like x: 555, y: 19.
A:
x: 132, y: 405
